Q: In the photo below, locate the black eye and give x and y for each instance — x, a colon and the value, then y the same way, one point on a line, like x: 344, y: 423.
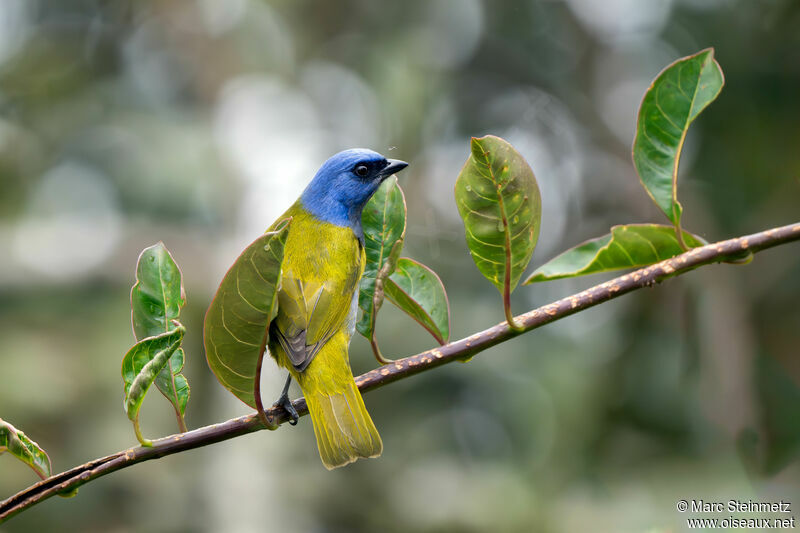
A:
x: 361, y: 170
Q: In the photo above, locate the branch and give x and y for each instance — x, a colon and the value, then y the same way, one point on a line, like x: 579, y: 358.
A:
x: 723, y: 251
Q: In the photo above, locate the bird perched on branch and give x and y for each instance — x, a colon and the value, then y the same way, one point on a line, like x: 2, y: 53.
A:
x: 318, y: 299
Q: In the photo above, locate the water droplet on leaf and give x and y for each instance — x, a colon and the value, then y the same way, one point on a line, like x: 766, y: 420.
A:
x: 469, y: 188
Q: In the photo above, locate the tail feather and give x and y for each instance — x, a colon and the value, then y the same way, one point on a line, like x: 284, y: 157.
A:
x: 344, y: 430
x: 343, y: 427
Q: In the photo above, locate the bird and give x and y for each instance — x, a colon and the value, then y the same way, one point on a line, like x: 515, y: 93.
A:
x: 317, y: 300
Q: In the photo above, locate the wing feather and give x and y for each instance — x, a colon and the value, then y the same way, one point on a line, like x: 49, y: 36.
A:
x: 316, y: 292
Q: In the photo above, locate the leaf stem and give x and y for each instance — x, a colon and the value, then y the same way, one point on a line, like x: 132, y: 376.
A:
x: 378, y: 297
x: 507, y: 251
x: 676, y: 215
x: 507, y: 307
x: 136, y: 429
x: 377, y: 351
x: 507, y: 271
x: 679, y: 235
x: 181, y: 422
x: 262, y: 415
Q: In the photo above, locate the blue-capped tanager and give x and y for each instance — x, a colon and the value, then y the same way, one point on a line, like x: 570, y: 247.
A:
x: 318, y: 300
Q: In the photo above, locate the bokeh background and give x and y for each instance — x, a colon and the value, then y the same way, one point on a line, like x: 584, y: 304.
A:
x: 197, y: 122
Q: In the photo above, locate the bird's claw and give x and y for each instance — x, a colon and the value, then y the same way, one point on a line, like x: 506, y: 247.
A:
x: 286, y: 403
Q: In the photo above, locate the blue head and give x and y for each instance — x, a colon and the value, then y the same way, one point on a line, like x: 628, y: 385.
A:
x: 345, y: 183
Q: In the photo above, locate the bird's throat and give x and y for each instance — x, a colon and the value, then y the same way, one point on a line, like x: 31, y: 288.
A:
x: 327, y: 209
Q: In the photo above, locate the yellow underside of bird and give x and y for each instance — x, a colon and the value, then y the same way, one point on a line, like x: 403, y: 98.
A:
x: 310, y: 336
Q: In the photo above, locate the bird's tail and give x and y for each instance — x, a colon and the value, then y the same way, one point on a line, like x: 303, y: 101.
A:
x: 344, y: 429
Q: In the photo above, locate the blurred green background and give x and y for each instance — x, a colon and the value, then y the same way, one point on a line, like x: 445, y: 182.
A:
x: 124, y: 123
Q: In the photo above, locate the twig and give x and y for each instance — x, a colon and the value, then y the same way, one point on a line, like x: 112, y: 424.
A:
x: 722, y: 251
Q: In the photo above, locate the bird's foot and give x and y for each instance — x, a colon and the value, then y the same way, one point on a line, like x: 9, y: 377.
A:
x: 286, y: 403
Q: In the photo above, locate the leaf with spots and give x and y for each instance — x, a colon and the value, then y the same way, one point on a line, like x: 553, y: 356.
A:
x: 236, y: 327
x: 141, y: 366
x: 417, y: 290
x: 499, y: 201
x: 156, y: 300
x: 674, y: 99
x: 631, y: 246
x: 20, y: 446
x: 384, y: 222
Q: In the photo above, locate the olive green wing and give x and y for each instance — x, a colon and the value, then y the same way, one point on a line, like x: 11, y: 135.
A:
x: 316, y: 294
x: 300, y: 327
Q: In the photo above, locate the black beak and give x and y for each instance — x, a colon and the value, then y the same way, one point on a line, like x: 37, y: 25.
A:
x: 394, y: 166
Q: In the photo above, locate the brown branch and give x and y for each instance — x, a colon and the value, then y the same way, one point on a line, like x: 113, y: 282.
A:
x: 723, y: 251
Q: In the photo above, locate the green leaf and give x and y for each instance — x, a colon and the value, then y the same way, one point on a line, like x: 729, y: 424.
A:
x: 156, y: 300
x: 158, y: 295
x: 142, y: 364
x: 499, y: 201
x: 20, y: 446
x: 675, y: 98
x: 417, y: 290
x: 384, y: 223
x: 237, y: 321
x: 631, y: 246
